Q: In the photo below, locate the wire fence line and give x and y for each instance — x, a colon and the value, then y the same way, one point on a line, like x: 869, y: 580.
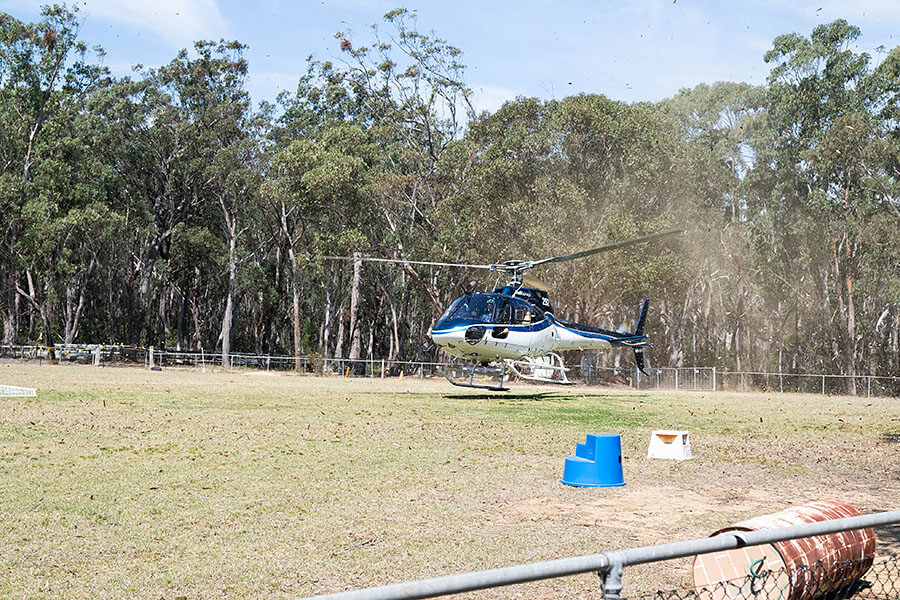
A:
x: 881, y: 581
x: 698, y: 378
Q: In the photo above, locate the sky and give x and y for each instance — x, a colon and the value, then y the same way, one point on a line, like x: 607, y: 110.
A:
x: 632, y: 51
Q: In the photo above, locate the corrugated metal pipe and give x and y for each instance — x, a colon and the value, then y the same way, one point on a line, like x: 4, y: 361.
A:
x: 804, y: 567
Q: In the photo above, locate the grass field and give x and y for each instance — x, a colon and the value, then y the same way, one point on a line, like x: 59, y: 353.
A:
x: 120, y: 482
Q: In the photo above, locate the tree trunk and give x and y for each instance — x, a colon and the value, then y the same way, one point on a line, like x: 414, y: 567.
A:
x: 843, y: 282
x: 162, y: 313
x: 339, y: 342
x: 9, y: 327
x: 227, y: 318
x: 395, y: 333
x: 195, y: 310
x: 326, y: 329
x: 112, y: 299
x: 73, y: 313
x: 9, y: 310
x: 295, y: 304
x: 8, y: 314
x: 355, y: 338
x: 43, y: 309
x: 179, y: 335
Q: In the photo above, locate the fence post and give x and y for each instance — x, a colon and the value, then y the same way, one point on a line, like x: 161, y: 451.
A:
x: 714, y: 379
x: 676, y: 379
x: 868, y: 385
x: 823, y: 385
x: 612, y: 577
x: 637, y: 378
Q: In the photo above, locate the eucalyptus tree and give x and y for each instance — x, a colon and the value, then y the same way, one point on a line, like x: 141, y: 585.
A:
x: 824, y: 107
x: 401, y: 103
x: 719, y: 124
x: 49, y: 178
x: 542, y: 178
x: 214, y: 106
x: 184, y: 142
x: 408, y: 87
x: 316, y: 194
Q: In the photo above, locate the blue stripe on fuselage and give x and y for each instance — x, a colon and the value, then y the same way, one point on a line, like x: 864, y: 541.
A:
x: 594, y: 336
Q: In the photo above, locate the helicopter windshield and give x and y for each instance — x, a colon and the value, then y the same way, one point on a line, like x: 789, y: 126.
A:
x: 451, y: 308
x: 493, y: 308
x: 477, y: 307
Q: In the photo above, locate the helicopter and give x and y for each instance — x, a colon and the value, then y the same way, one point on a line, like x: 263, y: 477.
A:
x: 512, y: 330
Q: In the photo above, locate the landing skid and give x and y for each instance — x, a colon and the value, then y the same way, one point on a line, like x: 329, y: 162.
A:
x: 546, y: 369
x: 481, y: 372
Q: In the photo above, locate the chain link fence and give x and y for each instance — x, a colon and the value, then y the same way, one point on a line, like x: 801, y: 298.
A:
x: 661, y: 378
x: 837, y: 581
x: 807, y: 383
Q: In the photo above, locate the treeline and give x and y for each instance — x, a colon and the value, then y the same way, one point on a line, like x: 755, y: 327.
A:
x: 165, y: 209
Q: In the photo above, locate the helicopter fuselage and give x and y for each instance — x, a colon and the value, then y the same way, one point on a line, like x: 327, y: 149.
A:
x: 515, y: 325
x: 507, y: 326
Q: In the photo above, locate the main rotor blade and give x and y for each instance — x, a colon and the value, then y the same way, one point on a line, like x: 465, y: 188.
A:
x: 607, y: 247
x: 534, y: 282
x: 409, y: 262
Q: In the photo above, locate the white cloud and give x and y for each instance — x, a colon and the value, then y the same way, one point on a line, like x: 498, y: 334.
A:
x: 178, y: 22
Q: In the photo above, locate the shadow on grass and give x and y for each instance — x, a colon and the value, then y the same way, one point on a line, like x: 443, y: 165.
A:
x: 545, y: 395
x: 498, y: 395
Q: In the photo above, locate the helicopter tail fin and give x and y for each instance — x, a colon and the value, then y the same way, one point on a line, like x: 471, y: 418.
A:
x: 639, y: 359
x: 639, y: 330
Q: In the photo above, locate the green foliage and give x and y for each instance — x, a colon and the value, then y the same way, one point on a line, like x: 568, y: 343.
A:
x: 165, y: 209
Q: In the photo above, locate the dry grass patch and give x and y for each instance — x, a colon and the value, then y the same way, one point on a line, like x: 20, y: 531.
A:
x: 183, y: 484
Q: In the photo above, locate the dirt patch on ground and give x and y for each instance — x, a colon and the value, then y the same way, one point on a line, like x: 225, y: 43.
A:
x: 641, y: 508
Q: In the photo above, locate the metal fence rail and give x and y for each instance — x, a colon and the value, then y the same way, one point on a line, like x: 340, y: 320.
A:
x: 610, y: 565
x: 659, y: 378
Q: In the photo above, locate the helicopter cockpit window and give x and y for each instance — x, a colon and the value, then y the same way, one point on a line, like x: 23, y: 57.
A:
x: 504, y: 311
x: 522, y: 314
x: 526, y: 314
x: 478, y: 307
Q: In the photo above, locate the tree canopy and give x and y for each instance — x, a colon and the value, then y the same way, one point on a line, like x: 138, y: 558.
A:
x: 163, y: 208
